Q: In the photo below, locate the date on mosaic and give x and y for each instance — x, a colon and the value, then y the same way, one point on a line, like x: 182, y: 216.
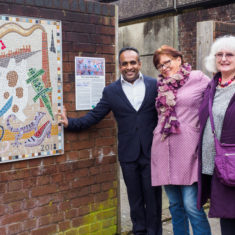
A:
x: 47, y: 147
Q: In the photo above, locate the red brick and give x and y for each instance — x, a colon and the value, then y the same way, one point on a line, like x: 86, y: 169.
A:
x: 48, y: 161
x: 106, y: 186
x: 29, y: 224
x: 44, y: 200
x: 56, y: 178
x: 71, y: 214
x: 106, y: 124
x: 84, y: 47
x: 65, y: 225
x: 46, y: 230
x: 82, y: 201
x: 3, y: 188
x: 15, y: 207
x: 49, y: 170
x: 42, y: 180
x: 84, y: 135
x: 61, y: 159
x: 95, y: 188
x: 106, y: 132
x: 44, y: 220
x: 23, y: 233
x: 107, y: 49
x: 15, y: 228
x: 14, y: 218
x: 102, y: 196
x: 77, y: 221
x: 64, y: 187
x: 94, y: 170
x: 104, y: 177
x: 36, y: 171
x: 69, y: 97
x: 73, y: 156
x: 71, y: 136
x: 18, y: 174
x: 65, y: 206
x: 58, y: 217
x: 14, y: 196
x: 108, y: 168
x: 78, y: 27
x: 81, y: 145
x: 105, y: 141
x: 29, y: 183
x: 44, y: 190
x: 3, y: 230
x: 67, y: 87
x: 68, y: 66
x: 3, y: 208
x: 110, y: 67
x: 83, y: 210
x: 45, y: 210
x: 85, y: 154
x: 21, y: 164
x: 30, y: 203
x: 15, y: 185
x: 78, y: 173
x: 105, y: 30
x: 35, y: 162
x: 77, y: 37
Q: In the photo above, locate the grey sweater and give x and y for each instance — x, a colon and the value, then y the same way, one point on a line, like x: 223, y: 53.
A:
x: 220, y: 104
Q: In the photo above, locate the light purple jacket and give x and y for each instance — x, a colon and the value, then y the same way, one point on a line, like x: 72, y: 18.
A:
x: 175, y: 160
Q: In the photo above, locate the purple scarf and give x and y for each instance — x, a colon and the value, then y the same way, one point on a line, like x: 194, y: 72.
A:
x: 166, y: 99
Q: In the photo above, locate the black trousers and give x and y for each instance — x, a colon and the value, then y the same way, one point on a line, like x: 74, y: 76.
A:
x: 145, y: 201
x: 227, y: 226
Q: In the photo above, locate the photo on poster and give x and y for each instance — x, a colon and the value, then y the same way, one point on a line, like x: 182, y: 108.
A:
x: 89, y: 81
x: 31, y: 88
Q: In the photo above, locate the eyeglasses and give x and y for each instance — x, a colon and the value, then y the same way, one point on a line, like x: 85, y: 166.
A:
x: 165, y: 64
x: 220, y: 55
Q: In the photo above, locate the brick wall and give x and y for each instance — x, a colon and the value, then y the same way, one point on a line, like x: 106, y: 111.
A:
x: 75, y: 193
x: 187, y: 26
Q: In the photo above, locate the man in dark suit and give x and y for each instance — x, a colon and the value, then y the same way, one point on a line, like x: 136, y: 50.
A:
x: 132, y: 101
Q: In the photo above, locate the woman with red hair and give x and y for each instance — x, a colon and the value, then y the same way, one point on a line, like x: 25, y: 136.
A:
x: 174, y: 160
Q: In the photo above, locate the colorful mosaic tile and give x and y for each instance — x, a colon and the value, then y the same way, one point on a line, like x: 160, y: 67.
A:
x: 31, y: 90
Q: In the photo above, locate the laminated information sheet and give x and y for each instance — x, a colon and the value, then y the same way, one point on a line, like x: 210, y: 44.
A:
x: 90, y: 81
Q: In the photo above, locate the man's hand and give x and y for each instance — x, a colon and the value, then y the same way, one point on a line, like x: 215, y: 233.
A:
x: 63, y: 118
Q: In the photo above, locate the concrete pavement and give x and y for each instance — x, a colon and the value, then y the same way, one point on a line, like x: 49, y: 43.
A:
x: 126, y: 225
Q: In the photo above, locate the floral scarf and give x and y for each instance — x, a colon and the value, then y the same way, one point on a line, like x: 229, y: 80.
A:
x: 166, y: 100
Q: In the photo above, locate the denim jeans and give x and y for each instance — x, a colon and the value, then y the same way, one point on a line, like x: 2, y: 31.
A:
x: 183, y: 208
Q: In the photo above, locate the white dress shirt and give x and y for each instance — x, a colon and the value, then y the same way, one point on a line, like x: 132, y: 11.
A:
x: 135, y: 91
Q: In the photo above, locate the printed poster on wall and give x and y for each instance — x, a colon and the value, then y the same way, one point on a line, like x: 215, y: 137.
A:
x: 31, y: 88
x: 90, y: 81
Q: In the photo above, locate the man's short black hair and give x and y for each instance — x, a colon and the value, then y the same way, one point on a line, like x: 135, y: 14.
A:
x: 128, y: 49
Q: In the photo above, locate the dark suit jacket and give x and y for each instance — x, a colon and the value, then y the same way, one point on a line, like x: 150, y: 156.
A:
x: 135, y: 128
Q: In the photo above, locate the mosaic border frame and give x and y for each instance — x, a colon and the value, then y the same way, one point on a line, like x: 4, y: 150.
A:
x: 60, y: 149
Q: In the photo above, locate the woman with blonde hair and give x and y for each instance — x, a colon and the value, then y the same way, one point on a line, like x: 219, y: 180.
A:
x: 174, y: 161
x: 217, y: 115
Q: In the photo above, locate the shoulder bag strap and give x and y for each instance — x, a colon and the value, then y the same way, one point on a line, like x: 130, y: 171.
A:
x: 212, y: 120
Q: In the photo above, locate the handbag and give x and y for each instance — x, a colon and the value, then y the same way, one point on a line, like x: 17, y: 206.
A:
x: 224, y: 158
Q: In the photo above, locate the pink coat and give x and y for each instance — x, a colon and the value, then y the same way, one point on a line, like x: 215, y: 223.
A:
x: 175, y: 160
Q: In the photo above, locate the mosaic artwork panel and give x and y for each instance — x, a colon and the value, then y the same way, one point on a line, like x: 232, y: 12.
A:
x: 31, y: 88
